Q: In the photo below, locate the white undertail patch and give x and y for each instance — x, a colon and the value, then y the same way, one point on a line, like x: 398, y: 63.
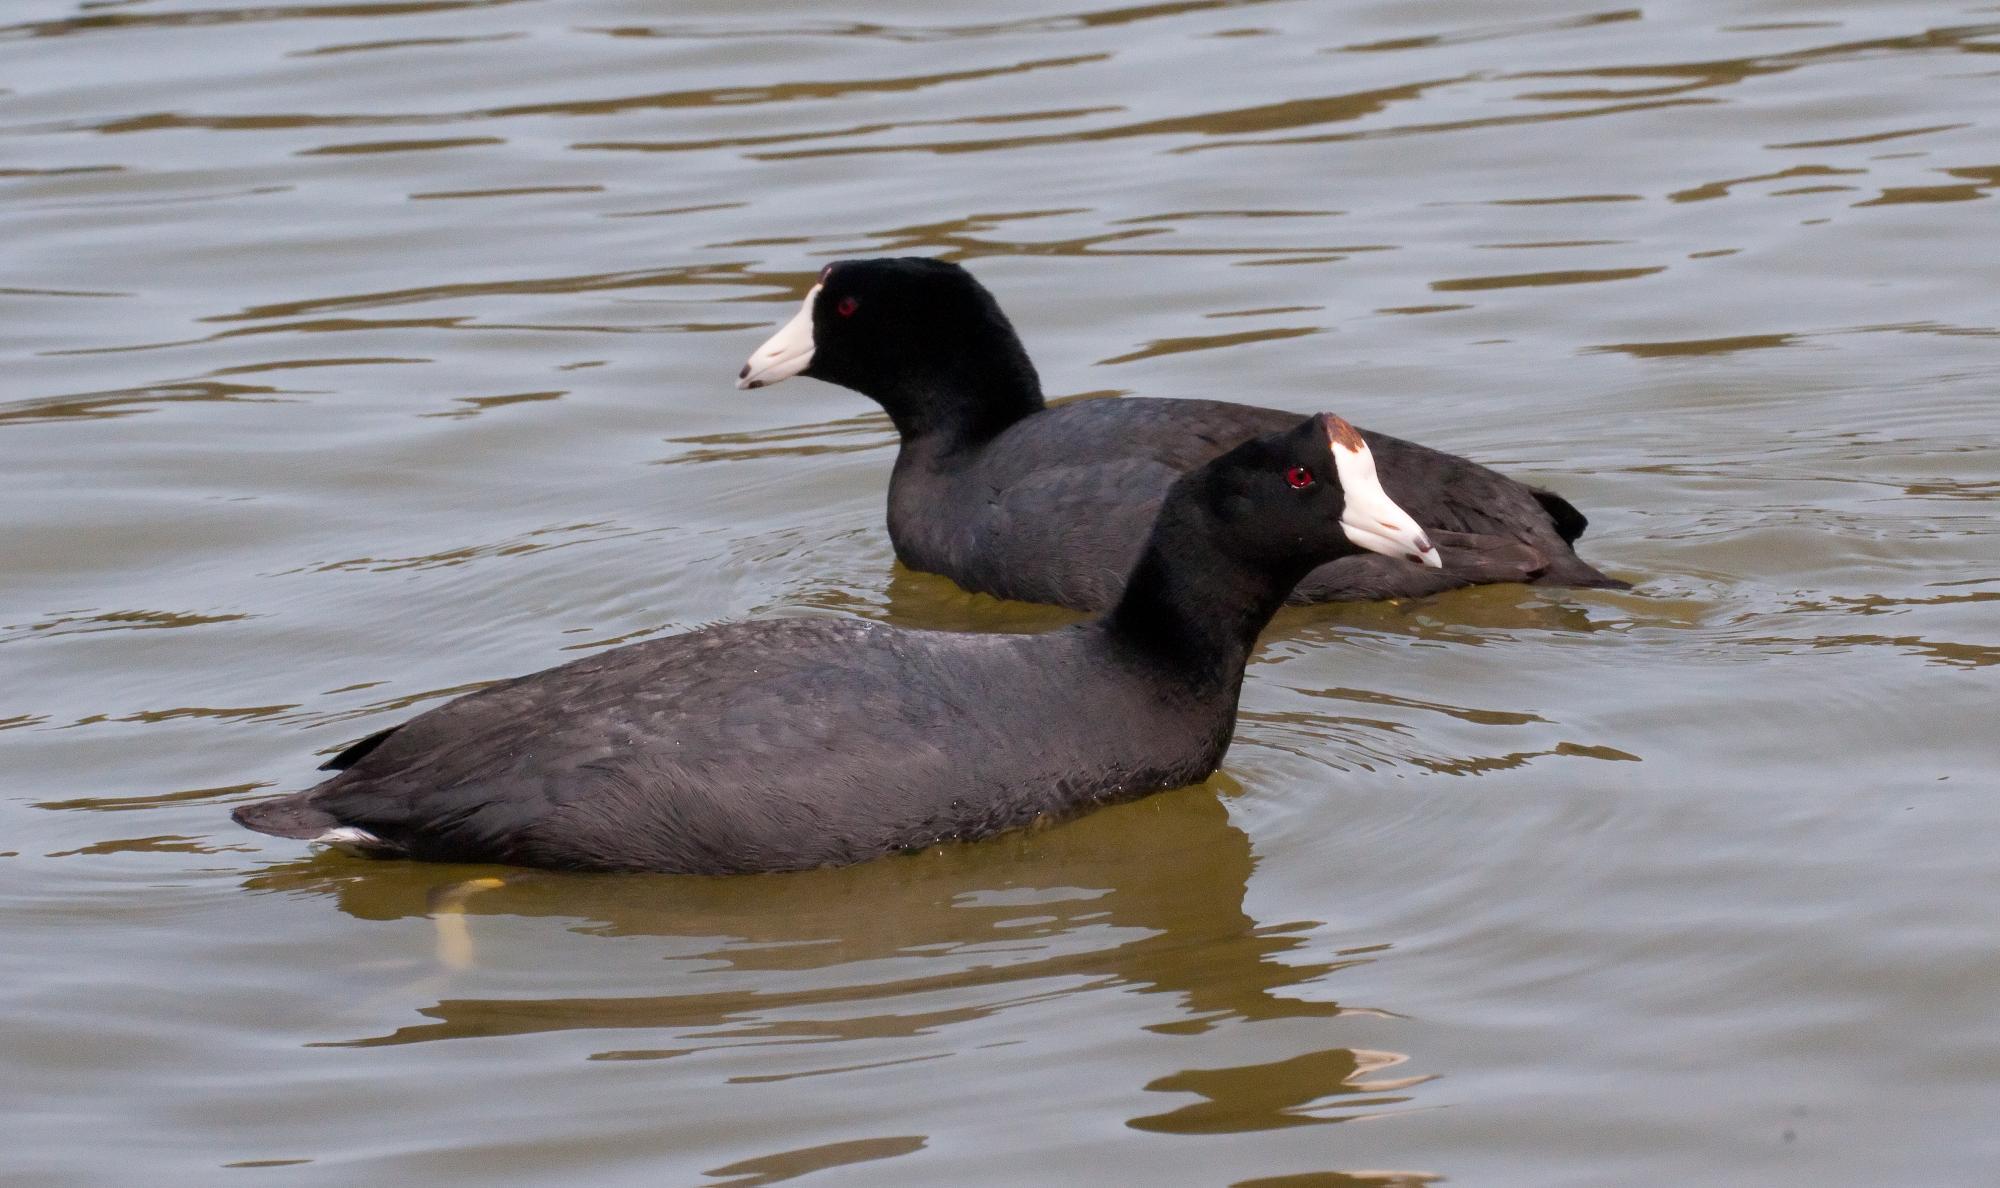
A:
x: 348, y: 839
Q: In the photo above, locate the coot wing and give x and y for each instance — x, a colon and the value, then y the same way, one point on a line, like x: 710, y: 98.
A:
x: 1063, y: 534
x: 684, y: 753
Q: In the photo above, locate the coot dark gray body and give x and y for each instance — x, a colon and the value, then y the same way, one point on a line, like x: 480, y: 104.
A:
x: 796, y: 743
x: 1010, y: 496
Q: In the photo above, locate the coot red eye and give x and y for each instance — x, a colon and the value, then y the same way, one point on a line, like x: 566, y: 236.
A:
x: 1299, y: 477
x: 847, y: 306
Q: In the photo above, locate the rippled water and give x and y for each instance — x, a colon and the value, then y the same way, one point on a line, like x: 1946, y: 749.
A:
x: 359, y: 353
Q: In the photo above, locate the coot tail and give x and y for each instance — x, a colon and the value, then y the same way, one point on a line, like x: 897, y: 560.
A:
x: 287, y: 816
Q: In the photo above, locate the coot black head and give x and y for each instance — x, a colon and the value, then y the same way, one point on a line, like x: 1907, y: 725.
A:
x: 1235, y: 536
x: 1305, y: 497
x: 920, y: 337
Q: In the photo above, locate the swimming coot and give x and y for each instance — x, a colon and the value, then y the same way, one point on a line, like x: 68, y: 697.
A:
x: 793, y: 743
x: 1009, y: 496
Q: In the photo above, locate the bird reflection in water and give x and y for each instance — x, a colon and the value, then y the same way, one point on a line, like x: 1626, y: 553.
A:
x: 1146, y: 897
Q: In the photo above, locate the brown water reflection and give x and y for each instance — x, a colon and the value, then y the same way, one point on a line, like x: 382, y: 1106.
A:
x: 788, y: 1165
x: 1329, y: 1179
x: 1124, y: 898
x: 1337, y: 1085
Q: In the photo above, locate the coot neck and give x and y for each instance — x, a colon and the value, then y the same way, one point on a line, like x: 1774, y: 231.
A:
x: 964, y: 397
x: 1191, y: 607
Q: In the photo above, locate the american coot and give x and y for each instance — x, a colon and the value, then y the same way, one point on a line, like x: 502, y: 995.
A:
x: 792, y: 743
x: 1013, y: 497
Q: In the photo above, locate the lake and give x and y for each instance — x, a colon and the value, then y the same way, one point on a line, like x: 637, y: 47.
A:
x: 360, y: 353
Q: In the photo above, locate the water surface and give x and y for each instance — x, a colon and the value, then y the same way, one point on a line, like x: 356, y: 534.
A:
x: 360, y: 353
